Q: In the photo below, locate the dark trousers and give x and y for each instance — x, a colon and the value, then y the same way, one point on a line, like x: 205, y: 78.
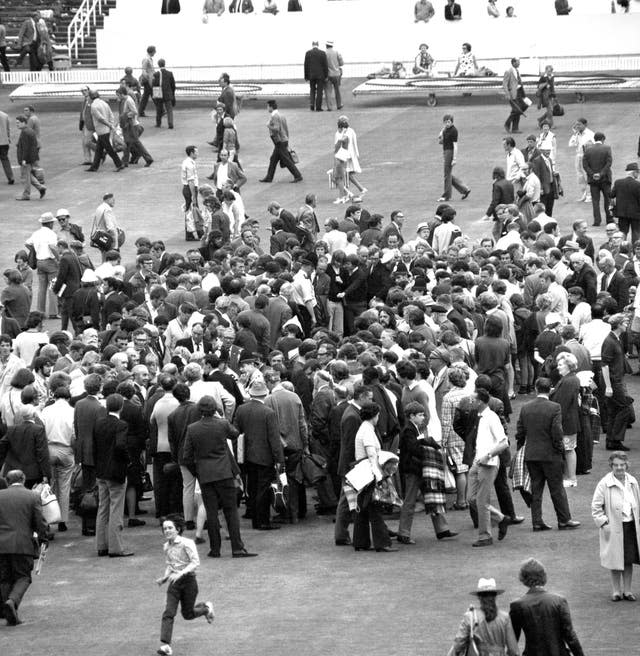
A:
x: 305, y: 320
x: 501, y: 485
x: 351, y: 312
x: 104, y: 146
x: 163, y: 106
x: 65, y: 305
x: 316, y: 87
x: 584, y: 448
x: 184, y: 592
x: 222, y: 494
x: 167, y: 488
x: 604, y: 187
x: 623, y: 225
x: 146, y: 94
x: 188, y: 197
x: 259, y: 479
x: 88, y: 484
x: 619, y: 416
x: 32, y: 51
x: 513, y: 120
x: 4, y: 62
x: 15, y: 577
x: 280, y: 155
x: 599, y: 393
x: 551, y: 473
x: 450, y: 180
x: 134, y: 148
x: 548, y: 200
x: 6, y: 164
x: 369, y: 523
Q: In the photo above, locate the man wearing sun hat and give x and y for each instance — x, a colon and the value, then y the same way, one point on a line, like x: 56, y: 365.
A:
x: 44, y: 242
x: 263, y: 454
x: 335, y: 63
x: 67, y: 230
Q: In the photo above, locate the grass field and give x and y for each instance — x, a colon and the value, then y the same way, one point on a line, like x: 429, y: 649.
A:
x: 303, y: 595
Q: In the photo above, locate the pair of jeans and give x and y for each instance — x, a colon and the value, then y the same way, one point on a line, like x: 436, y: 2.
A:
x: 31, y: 175
x: 501, y: 485
x: 551, y: 472
x: 598, y: 187
x: 133, y: 147
x: 184, y: 591
x: 15, y: 577
x: 189, y: 198
x: 481, y: 480
x: 47, y: 270
x: 62, y: 466
x: 450, y: 180
x: 216, y: 495
x: 259, y: 479
x: 104, y: 146
x: 4, y: 62
x: 109, y: 521
x: 6, y: 164
x: 333, y: 81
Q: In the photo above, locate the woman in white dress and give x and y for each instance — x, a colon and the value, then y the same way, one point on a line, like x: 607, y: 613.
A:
x: 346, y: 162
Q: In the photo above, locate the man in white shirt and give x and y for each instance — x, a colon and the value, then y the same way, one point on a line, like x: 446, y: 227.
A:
x: 44, y: 243
x: 105, y: 220
x: 304, y: 296
x: 515, y: 161
x: 581, y: 313
x: 189, y: 178
x: 490, y: 441
x: 593, y: 333
x: 225, y: 402
x: 180, y: 327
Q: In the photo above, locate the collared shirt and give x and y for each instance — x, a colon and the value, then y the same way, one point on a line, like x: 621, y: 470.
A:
x: 580, y: 316
x: 303, y: 291
x: 222, y: 174
x: 42, y: 240
x: 182, y: 554
x: 189, y: 171
x: 515, y: 161
x: 580, y: 140
x: 490, y: 434
x: 58, y: 423
x: 592, y: 334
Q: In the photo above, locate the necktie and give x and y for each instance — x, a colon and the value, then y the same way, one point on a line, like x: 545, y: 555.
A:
x: 603, y: 284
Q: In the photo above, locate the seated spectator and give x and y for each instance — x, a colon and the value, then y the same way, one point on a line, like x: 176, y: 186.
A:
x: 452, y: 11
x: 563, y: 8
x: 510, y: 13
x: 294, y: 5
x: 424, y: 61
x: 270, y: 7
x: 423, y: 11
x: 467, y: 64
x: 214, y: 7
x: 492, y: 10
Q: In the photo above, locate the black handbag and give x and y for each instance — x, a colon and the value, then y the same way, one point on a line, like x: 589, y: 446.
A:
x: 147, y: 485
x: 314, y: 468
x: 557, y: 109
x: 32, y: 260
x: 89, y: 503
x: 101, y: 240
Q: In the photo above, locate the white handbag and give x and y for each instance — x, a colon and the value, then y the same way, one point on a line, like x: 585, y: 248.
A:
x: 50, y: 506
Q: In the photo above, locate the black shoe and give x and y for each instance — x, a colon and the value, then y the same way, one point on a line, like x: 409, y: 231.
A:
x: 62, y: 527
x: 141, y: 114
x: 622, y: 447
x: 119, y: 168
x: 326, y: 511
x: 43, y: 191
x: 11, y: 612
x: 92, y: 169
x: 190, y: 525
x: 22, y: 198
x: 541, y: 527
x: 392, y: 534
x: 403, y: 539
x: 103, y: 552
x: 88, y: 532
x: 503, y: 526
x: 135, y: 522
x: 199, y: 540
x: 596, y: 225
x: 211, y: 143
x: 122, y: 554
x: 344, y: 543
x: 516, y: 520
x: 446, y: 534
x: 11, y: 182
x: 385, y: 549
x: 243, y: 554
x: 483, y: 543
x: 213, y: 554
x: 265, y: 180
x: 148, y: 164
x: 567, y: 526
x: 466, y: 194
x: 141, y: 512
x: 300, y: 179
x: 268, y: 527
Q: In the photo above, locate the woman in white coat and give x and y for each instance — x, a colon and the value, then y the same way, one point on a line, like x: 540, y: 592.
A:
x: 346, y: 162
x: 616, y: 511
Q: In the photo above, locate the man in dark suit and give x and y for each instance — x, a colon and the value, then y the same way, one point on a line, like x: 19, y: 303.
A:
x: 539, y: 430
x: 279, y: 236
x: 69, y: 274
x: 543, y: 616
x: 289, y: 220
x: 316, y: 72
x: 502, y: 193
x: 20, y: 517
x: 582, y: 275
x: 262, y: 452
x: 111, y: 460
x: 196, y: 343
x: 87, y: 411
x: 354, y: 295
x: 394, y: 227
x: 279, y: 134
x: 113, y: 300
x: 206, y: 450
x: 166, y: 101
x: 278, y: 312
x: 543, y: 167
x: 349, y: 425
x: 626, y: 192
x: 613, y: 281
x: 27, y: 41
x: 596, y: 162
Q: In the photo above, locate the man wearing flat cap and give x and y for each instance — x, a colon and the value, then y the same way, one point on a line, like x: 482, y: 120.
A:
x: 316, y: 72
x: 626, y: 193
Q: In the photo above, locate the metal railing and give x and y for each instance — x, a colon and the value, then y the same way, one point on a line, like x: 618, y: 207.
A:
x: 81, y: 24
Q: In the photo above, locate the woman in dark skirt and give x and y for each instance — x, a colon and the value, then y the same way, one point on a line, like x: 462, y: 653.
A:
x: 616, y: 511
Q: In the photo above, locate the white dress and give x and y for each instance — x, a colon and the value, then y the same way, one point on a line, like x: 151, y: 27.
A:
x: 353, y: 163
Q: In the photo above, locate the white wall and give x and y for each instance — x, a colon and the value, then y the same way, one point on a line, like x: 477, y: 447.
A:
x: 363, y: 31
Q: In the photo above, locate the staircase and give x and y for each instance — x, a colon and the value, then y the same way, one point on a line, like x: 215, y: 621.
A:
x: 14, y: 12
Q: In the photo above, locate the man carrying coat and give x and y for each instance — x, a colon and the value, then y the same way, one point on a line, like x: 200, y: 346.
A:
x: 206, y: 450
x: 20, y: 518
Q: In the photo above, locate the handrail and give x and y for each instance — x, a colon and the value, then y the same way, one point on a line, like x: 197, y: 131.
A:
x: 81, y: 22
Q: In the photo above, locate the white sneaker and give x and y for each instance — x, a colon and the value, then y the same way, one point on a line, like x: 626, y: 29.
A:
x: 568, y: 483
x: 364, y: 191
x: 210, y: 614
x: 587, y: 199
x: 339, y: 201
x: 165, y: 650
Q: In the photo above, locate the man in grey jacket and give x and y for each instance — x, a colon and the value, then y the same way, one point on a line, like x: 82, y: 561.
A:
x: 335, y: 63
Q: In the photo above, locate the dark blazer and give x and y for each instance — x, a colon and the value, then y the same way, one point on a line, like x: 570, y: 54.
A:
x: 138, y: 428
x: 179, y: 420
x: 355, y: 289
x: 25, y: 447
x: 20, y: 516
x: 626, y: 191
x: 349, y: 425
x: 390, y: 229
x: 502, y: 194
x: 289, y: 220
x: 619, y: 289
x: 262, y: 444
x: 27, y: 147
x: 545, y: 619
x: 112, y: 303
x: 586, y: 278
x: 110, y: 444
x: 205, y: 445
x: 316, y: 66
x: 379, y: 281
x: 597, y: 159
x: 278, y: 312
x: 540, y: 430
x: 544, y: 174
x: 566, y: 395
x: 9, y: 326
x: 234, y: 173
x: 69, y: 274
x: 188, y: 344
x: 87, y: 411
x: 278, y: 239
x: 411, y: 450
x: 168, y: 85
x: 589, y: 250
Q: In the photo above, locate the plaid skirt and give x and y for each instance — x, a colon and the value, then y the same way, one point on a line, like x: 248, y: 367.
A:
x: 432, y: 485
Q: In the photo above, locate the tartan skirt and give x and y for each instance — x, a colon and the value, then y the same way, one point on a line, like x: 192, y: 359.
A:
x: 432, y: 485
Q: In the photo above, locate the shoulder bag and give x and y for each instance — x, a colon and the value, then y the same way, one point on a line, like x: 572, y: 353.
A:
x: 157, y: 91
